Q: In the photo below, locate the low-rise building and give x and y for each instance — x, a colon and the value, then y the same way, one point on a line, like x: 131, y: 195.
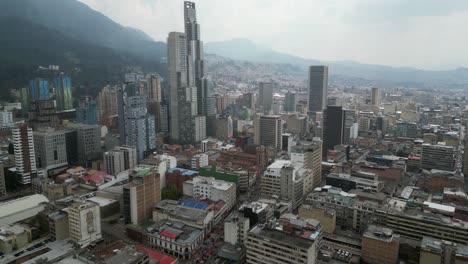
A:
x: 175, y: 238
x: 289, y: 240
x: 212, y: 189
x: 173, y: 210
x: 380, y: 245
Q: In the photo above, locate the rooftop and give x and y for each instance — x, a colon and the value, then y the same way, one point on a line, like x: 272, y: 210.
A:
x: 21, y: 204
x: 184, y: 172
x: 180, y: 232
x: 277, y: 235
x: 159, y: 257
x: 380, y: 233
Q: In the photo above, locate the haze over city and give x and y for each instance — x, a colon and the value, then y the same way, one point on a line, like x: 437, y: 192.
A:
x: 428, y: 34
x: 233, y: 132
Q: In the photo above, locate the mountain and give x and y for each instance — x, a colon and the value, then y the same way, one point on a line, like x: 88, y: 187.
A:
x: 243, y: 49
x: 85, y: 43
x: 30, y: 45
x: 75, y: 19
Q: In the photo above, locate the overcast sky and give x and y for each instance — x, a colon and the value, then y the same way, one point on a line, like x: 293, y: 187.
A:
x: 431, y: 34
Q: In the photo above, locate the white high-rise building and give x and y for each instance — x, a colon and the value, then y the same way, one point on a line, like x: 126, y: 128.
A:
x: 84, y: 221
x: 25, y: 156
x: 119, y: 159
x: 284, y: 179
x: 51, y: 150
x: 6, y: 119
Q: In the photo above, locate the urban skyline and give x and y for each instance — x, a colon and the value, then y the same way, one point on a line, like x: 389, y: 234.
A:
x: 193, y: 158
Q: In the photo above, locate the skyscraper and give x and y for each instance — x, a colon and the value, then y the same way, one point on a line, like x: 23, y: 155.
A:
x: 154, y: 88
x: 318, y: 88
x: 333, y: 127
x: 107, y: 101
x: 51, y: 150
x: 25, y: 157
x: 265, y: 97
x: 39, y: 89
x: 270, y: 131
x: 181, y: 96
x: 139, y: 127
x: 62, y: 83
x: 190, y: 99
x: 87, y: 112
x: 43, y: 114
x: 290, y: 102
x: 375, y: 96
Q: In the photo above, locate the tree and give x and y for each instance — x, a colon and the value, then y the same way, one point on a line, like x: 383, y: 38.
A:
x: 171, y: 192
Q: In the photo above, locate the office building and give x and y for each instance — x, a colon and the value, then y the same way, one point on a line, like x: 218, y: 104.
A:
x: 38, y: 89
x: 6, y: 119
x: 199, y: 128
x: 212, y: 189
x: 333, y: 123
x: 43, y: 114
x: 2, y: 181
x: 380, y: 245
x: 154, y: 88
x: 265, y: 97
x: 141, y: 194
x: 182, y: 96
x: 88, y: 142
x: 87, y: 111
x: 268, y: 131
x: 51, y: 150
x: 375, y: 96
x: 25, y: 155
x: 284, y: 179
x: 139, y: 127
x: 318, y: 88
x: 278, y: 244
x: 439, y: 157
x: 290, y: 102
x: 84, y: 221
x: 224, y: 127
x: 119, y: 159
x: 349, y: 126
x: 308, y: 154
x: 63, y: 92
x: 107, y: 101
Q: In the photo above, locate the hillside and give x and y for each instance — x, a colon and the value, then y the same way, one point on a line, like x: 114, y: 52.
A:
x: 75, y: 19
x: 29, y: 45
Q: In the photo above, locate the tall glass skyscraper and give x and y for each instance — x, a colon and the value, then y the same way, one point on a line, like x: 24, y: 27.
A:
x: 62, y: 83
x: 39, y: 89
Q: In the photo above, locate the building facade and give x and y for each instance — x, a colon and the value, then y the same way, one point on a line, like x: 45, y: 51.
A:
x: 318, y: 88
x: 84, y: 221
x: 25, y: 155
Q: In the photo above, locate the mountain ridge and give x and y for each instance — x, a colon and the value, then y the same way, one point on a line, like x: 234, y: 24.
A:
x: 239, y: 49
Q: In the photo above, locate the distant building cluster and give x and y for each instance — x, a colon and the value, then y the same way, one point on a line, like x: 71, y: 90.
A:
x: 198, y: 167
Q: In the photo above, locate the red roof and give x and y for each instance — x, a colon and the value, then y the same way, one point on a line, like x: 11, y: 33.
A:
x: 155, y: 255
x: 168, y: 234
x: 96, y: 179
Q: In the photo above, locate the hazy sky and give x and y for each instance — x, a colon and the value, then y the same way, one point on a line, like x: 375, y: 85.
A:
x: 431, y: 34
